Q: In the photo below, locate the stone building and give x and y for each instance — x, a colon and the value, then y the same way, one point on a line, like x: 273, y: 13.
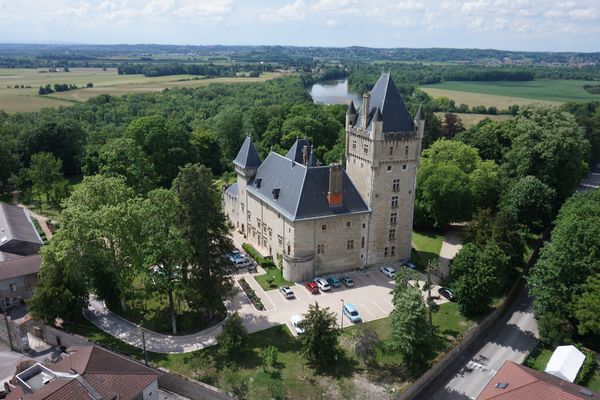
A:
x: 323, y: 219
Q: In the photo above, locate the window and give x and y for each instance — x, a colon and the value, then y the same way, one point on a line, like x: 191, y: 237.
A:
x: 396, y: 185
x: 385, y: 252
x: 392, y: 235
x: 404, y: 166
x: 258, y: 223
x: 242, y: 207
x: 289, y: 249
x: 364, y: 225
x: 391, y: 151
x: 362, y: 242
x: 321, y: 248
x: 13, y: 287
x: 406, y: 151
x: 249, y: 215
x: 393, y: 252
x: 354, y: 145
x: 279, y: 239
x: 366, y: 148
x: 270, y: 233
x: 393, y: 218
x: 349, y: 244
x: 394, y: 201
x: 324, y: 227
x: 348, y: 224
x: 389, y: 167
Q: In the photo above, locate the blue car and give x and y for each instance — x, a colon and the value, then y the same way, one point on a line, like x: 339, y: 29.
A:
x: 351, y: 312
x: 334, y: 281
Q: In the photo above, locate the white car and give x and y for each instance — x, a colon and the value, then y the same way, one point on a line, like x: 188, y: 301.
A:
x: 390, y: 272
x: 287, y: 292
x: 242, y: 262
x: 323, y: 284
x: 296, y: 322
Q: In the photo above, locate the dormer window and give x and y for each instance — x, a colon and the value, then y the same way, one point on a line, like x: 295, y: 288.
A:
x: 276, y: 193
x: 258, y: 183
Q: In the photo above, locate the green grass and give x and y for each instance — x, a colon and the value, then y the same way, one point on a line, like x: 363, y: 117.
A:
x: 544, y: 89
x: 276, y: 275
x: 426, y: 246
x: 594, y: 382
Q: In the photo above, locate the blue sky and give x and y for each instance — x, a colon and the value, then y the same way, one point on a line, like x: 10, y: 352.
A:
x: 545, y: 25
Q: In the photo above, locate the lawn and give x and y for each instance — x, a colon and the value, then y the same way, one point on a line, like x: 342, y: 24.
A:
x: 426, y: 246
x: 274, y: 274
x: 244, y: 374
x: 503, y: 94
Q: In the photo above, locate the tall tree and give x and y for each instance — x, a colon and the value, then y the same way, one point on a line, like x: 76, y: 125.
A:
x: 44, y: 174
x: 164, y: 248
x: 411, y: 333
x: 320, y: 338
x: 451, y: 125
x: 204, y: 227
x: 587, y: 306
x: 530, y: 201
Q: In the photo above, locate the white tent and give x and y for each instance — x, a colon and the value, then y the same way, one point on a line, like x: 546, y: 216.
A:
x: 565, y: 362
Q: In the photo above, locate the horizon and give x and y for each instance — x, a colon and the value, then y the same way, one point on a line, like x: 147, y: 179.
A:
x: 524, y: 25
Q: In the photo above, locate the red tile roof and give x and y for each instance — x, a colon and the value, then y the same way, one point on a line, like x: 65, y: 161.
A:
x: 528, y: 384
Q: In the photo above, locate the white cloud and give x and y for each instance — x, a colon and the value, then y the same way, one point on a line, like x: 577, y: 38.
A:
x: 334, y: 5
x: 331, y: 22
x: 295, y: 11
x: 584, y: 13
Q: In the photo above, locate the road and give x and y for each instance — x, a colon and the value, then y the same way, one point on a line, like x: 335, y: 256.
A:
x: 510, y: 338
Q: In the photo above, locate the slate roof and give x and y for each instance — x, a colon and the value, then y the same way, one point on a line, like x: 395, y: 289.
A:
x: 302, y: 189
x: 17, y: 234
x: 528, y: 384
x: 247, y: 157
x: 233, y: 190
x: 295, y: 152
x: 19, y: 266
x: 386, y: 96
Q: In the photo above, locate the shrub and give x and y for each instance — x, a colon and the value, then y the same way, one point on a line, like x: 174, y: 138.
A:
x: 268, y: 355
x: 262, y: 261
x: 254, y: 299
x: 234, y: 335
x: 587, y: 369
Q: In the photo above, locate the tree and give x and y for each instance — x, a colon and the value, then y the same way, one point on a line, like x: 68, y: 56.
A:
x: 8, y: 159
x: 209, y: 152
x: 229, y: 124
x: 478, y: 273
x: 203, y: 226
x: 44, y: 174
x: 164, y: 248
x: 451, y: 125
x: 268, y: 356
x: 550, y: 146
x: 234, y: 335
x: 491, y: 138
x: 123, y: 156
x: 320, y: 339
x: 530, y: 201
x: 411, y: 333
x: 365, y: 343
x: 486, y: 184
x: 587, y: 306
x: 560, y: 276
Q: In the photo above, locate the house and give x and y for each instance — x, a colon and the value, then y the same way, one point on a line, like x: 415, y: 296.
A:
x: 19, y: 258
x: 88, y: 372
x: 517, y: 382
x: 565, y: 362
x: 320, y: 219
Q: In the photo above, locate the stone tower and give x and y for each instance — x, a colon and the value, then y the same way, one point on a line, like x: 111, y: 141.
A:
x: 246, y: 164
x: 383, y: 146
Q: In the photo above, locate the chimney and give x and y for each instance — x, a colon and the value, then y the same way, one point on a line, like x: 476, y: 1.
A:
x: 335, y: 196
x: 364, y: 110
x: 305, y: 154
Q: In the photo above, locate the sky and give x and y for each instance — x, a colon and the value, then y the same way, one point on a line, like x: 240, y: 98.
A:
x: 534, y: 25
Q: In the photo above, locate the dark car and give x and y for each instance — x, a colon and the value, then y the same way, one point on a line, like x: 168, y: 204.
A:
x: 446, y: 293
x: 312, y: 287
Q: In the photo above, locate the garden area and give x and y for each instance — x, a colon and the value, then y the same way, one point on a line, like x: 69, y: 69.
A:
x: 426, y: 246
x: 273, y: 276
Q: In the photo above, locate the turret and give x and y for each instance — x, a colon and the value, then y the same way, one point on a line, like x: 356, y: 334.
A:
x: 350, y: 114
x: 377, y: 125
x: 420, y: 122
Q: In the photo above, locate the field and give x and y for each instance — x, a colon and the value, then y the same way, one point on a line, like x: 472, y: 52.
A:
x: 105, y: 82
x: 470, y: 120
x: 506, y: 93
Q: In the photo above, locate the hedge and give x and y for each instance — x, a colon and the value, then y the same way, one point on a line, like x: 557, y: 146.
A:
x: 251, y: 294
x: 262, y: 261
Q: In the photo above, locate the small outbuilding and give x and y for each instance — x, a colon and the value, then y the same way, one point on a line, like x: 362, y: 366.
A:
x: 565, y: 362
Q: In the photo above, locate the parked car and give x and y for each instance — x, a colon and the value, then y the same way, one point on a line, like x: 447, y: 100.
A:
x: 446, y: 293
x: 287, y: 292
x: 347, y: 281
x: 296, y: 322
x: 351, y: 312
x: 410, y: 265
x: 334, y: 281
x: 241, y: 262
x: 233, y: 254
x: 323, y: 284
x: 390, y: 272
x: 312, y: 287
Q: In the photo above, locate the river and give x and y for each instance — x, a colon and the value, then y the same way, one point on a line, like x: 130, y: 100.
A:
x: 334, y: 92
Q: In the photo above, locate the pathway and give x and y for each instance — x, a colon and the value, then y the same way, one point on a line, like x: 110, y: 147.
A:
x: 451, y: 245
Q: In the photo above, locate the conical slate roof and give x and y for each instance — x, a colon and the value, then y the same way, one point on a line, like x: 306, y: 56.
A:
x: 386, y: 96
x: 420, y: 115
x: 351, y: 109
x: 247, y: 157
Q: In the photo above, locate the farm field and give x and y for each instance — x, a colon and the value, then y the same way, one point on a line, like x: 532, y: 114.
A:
x: 470, y: 120
x: 505, y: 93
x: 105, y: 82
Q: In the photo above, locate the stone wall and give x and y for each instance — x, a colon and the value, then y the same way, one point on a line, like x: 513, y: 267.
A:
x: 191, y: 389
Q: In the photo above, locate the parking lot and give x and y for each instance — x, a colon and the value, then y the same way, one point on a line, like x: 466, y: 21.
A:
x: 371, y: 295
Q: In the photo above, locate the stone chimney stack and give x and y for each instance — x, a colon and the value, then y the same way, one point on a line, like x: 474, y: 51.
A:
x: 305, y: 155
x: 364, y: 110
x: 335, y: 195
